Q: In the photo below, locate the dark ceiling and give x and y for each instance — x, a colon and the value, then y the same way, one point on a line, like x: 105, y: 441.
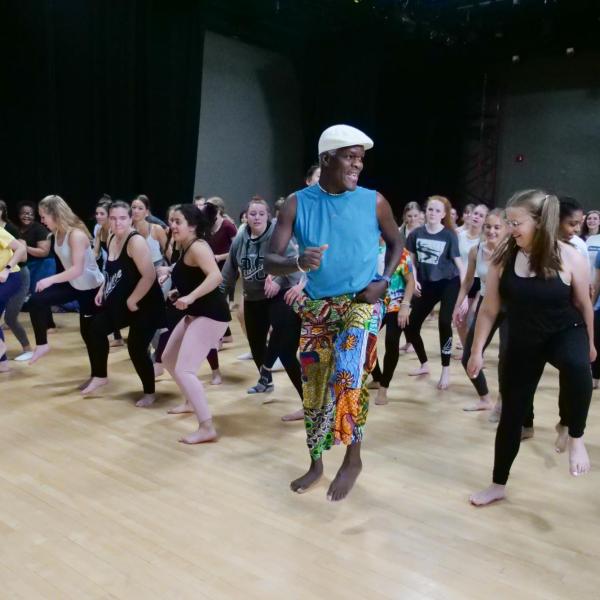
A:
x: 498, y: 28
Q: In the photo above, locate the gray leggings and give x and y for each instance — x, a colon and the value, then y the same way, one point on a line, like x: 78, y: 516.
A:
x: 13, y: 308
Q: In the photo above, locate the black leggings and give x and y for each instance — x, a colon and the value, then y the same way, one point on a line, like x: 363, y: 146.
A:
x: 444, y: 291
x: 480, y: 382
x: 260, y: 315
x: 40, y: 312
x: 524, y: 364
x: 393, y: 331
x: 138, y: 342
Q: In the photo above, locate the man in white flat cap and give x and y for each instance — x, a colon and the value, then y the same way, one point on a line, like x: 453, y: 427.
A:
x: 337, y: 225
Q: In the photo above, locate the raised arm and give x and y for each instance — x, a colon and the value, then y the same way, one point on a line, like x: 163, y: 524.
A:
x: 391, y: 235
x: 276, y: 261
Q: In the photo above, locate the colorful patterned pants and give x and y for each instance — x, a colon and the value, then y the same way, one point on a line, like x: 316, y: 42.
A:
x: 338, y: 349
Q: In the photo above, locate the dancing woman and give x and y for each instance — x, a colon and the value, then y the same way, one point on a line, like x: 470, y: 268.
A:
x: 494, y: 232
x: 79, y: 281
x: 11, y: 253
x: 264, y: 300
x: 397, y: 310
x: 470, y: 237
x: 154, y: 234
x: 196, y: 279
x: 435, y: 254
x: 129, y: 296
x: 16, y: 301
x: 544, y: 285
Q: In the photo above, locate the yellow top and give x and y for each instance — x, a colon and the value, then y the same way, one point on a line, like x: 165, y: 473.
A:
x: 6, y: 252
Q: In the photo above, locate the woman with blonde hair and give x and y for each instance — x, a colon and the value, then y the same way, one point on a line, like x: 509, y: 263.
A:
x: 435, y: 254
x: 410, y: 219
x: 543, y: 284
x: 79, y: 281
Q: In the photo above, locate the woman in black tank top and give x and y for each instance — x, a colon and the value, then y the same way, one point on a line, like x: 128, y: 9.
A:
x: 544, y: 286
x: 130, y: 297
x: 196, y: 279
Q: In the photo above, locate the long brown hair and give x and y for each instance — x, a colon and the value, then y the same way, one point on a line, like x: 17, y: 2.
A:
x: 447, y: 220
x: 544, y: 208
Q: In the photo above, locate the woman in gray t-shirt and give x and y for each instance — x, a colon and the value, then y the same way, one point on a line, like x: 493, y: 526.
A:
x: 439, y: 271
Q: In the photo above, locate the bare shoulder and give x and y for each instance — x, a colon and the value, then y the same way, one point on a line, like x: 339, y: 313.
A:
x: 77, y: 237
x: 570, y: 256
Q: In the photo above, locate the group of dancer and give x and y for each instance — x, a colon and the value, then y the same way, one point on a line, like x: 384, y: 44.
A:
x: 318, y: 283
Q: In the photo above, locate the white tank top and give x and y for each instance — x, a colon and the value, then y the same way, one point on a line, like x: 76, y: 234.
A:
x: 482, y: 265
x: 465, y: 243
x: 91, y: 277
x: 154, y: 246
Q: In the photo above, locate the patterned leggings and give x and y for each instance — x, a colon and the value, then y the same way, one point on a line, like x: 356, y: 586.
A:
x: 338, y: 349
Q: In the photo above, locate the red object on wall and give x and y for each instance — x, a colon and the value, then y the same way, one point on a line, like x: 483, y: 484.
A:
x: 519, y: 158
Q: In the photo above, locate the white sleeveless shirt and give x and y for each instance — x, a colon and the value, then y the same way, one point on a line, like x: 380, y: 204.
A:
x: 482, y: 265
x: 91, y: 277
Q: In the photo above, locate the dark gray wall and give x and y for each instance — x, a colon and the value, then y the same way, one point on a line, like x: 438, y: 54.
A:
x: 551, y: 115
x: 250, y: 138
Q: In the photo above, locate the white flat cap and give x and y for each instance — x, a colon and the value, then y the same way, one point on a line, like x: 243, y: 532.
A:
x: 341, y: 136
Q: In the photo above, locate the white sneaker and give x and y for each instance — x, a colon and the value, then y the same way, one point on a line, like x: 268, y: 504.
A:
x: 245, y: 356
x: 277, y: 366
x: 23, y: 357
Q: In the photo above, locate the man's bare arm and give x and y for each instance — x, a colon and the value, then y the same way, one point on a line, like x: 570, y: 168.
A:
x: 391, y: 235
x: 276, y: 262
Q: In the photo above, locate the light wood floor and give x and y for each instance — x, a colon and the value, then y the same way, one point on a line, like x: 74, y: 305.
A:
x: 98, y: 500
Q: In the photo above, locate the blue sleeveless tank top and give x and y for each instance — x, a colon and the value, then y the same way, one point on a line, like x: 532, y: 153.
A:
x: 348, y: 223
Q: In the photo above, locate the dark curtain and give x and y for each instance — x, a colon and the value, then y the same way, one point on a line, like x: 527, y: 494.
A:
x: 100, y: 96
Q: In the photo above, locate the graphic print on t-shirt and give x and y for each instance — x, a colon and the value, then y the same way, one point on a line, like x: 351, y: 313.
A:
x: 429, y: 251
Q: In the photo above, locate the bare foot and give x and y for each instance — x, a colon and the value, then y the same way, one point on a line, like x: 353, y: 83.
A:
x: 381, y: 396
x: 373, y: 385
x: 579, y: 461
x: 407, y: 348
x: 158, y: 370
x: 83, y: 385
x: 302, y: 484
x: 206, y: 433
x: 344, y: 480
x: 457, y: 355
x: 527, y: 433
x: 116, y: 343
x: 562, y: 439
x: 93, y: 385
x: 145, y: 401
x: 4, y: 366
x: 422, y: 370
x: 496, y: 411
x: 228, y: 339
x: 444, y: 381
x: 39, y: 352
x: 297, y: 415
x: 479, y: 405
x: 181, y: 409
x: 216, y: 378
x: 492, y: 494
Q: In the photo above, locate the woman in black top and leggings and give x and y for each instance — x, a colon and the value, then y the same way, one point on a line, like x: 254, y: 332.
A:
x: 130, y: 296
x: 543, y: 284
x: 435, y: 253
x: 196, y: 278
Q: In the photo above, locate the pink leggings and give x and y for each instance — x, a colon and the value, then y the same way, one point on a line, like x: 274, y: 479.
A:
x: 187, y: 348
